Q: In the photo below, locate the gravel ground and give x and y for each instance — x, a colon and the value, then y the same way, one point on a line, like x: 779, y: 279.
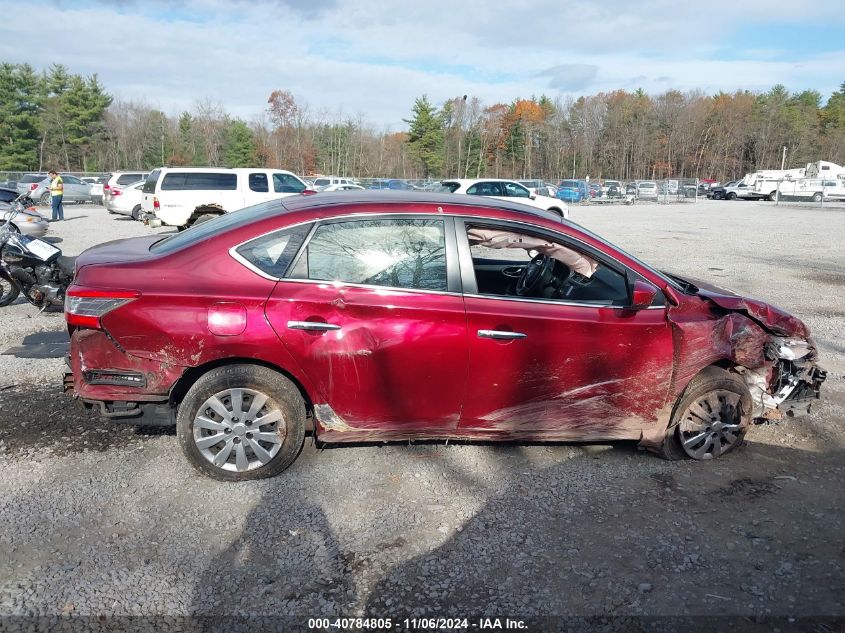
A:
x: 103, y: 520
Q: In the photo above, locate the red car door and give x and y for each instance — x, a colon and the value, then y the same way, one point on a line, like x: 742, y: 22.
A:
x: 566, y: 368
x: 372, y: 313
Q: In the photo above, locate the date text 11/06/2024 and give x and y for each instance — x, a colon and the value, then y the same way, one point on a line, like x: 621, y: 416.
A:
x: 417, y: 624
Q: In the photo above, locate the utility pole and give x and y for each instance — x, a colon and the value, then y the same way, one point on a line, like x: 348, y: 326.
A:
x: 783, y: 158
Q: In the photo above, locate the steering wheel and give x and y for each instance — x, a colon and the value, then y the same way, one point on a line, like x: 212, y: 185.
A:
x: 535, y: 276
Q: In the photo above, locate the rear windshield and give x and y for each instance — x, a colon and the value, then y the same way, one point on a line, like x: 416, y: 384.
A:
x: 125, y: 179
x: 218, y: 225
x: 446, y: 187
x: 32, y: 178
x: 199, y: 181
x: 152, y: 179
x: 569, y: 184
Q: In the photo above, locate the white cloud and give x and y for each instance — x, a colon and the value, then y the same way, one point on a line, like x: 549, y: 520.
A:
x: 374, y: 57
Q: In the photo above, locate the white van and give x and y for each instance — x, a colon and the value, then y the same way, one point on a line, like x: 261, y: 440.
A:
x: 183, y: 196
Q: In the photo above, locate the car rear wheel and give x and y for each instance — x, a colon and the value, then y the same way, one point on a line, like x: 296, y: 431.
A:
x: 136, y: 212
x: 45, y: 199
x: 773, y: 196
x: 710, y: 418
x: 817, y: 197
x: 241, y: 422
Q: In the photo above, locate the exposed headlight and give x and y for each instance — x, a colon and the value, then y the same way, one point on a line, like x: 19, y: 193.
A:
x: 792, y: 348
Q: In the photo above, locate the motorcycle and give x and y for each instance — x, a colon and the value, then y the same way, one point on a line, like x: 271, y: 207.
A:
x: 32, y: 266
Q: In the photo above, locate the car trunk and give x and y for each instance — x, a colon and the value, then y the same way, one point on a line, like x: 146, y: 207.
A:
x: 119, y: 251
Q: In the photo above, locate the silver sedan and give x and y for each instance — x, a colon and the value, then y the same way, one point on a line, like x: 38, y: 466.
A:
x: 28, y: 222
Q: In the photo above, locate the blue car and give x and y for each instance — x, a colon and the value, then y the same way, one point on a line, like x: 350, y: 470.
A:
x: 573, y: 190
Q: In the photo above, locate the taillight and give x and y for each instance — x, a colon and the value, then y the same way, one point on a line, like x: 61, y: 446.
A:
x: 85, y: 307
x: 33, y: 186
x: 116, y: 192
x: 106, y: 187
x: 156, y: 205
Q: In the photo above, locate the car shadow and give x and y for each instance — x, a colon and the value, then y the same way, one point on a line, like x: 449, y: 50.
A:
x: 285, y: 567
x: 702, y: 545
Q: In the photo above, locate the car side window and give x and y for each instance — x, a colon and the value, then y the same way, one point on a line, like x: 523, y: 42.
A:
x: 273, y: 253
x: 285, y: 183
x: 513, y: 190
x: 485, y: 189
x: 501, y: 254
x: 72, y: 180
x: 258, y: 182
x: 399, y: 253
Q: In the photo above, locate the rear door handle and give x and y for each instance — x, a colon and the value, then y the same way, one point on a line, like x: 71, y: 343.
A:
x: 500, y: 335
x: 313, y: 326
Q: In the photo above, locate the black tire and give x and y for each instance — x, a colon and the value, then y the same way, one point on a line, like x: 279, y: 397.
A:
x: 711, y: 380
x: 281, y: 393
x: 719, y: 195
x: 817, y: 197
x: 730, y: 196
x: 773, y: 196
x: 136, y: 212
x: 8, y: 292
x: 44, y: 200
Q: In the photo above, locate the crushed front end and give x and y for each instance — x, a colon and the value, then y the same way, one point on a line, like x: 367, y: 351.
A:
x: 788, y: 383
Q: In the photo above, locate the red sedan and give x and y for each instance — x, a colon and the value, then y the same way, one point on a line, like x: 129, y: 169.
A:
x: 393, y: 315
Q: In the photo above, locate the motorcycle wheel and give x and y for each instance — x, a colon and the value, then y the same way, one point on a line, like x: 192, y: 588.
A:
x: 8, y: 292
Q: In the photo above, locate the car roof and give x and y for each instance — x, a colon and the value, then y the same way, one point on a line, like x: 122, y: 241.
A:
x: 469, y: 181
x: 223, y: 170
x: 396, y: 196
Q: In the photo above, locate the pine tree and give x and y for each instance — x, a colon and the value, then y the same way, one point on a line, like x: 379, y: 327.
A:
x: 19, y: 106
x: 425, y: 137
x: 239, y: 150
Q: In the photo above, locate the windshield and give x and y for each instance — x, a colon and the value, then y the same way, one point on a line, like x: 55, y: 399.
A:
x: 218, y: 225
x: 446, y: 187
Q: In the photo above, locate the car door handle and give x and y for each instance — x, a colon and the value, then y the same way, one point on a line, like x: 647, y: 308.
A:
x: 313, y: 326
x: 500, y: 335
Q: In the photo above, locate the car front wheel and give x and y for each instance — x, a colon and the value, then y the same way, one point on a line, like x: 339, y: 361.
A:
x: 731, y: 196
x: 710, y: 418
x: 241, y: 422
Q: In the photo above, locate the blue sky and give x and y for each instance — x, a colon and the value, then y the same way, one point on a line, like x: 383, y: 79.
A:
x: 372, y: 58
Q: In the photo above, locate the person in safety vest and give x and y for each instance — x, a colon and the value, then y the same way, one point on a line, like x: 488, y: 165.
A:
x: 57, y: 190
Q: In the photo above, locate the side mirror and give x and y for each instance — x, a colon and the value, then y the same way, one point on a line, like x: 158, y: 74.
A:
x: 644, y: 293
x: 532, y: 196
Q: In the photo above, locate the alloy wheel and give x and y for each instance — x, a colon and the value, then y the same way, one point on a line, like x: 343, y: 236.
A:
x: 711, y: 425
x: 239, y: 429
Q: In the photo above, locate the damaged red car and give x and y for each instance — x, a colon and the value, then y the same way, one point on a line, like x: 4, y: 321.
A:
x: 393, y: 316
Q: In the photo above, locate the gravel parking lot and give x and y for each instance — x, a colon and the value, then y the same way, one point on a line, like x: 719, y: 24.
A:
x: 101, y: 519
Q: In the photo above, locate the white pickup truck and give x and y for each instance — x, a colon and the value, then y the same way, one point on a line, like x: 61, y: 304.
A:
x: 183, y: 196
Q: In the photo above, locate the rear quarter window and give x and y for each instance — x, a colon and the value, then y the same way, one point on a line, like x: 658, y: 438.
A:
x: 273, y: 253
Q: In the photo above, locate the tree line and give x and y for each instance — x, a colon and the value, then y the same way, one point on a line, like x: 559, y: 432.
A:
x: 58, y: 119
